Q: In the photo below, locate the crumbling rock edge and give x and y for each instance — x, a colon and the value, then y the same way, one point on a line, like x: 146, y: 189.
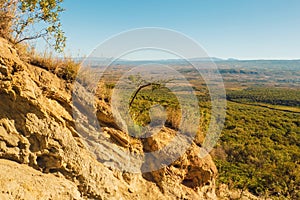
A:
x: 42, y: 155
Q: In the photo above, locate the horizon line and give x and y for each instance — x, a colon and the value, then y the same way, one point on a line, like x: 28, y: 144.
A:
x: 189, y: 59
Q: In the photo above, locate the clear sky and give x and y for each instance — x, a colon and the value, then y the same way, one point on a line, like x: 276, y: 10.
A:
x: 244, y: 29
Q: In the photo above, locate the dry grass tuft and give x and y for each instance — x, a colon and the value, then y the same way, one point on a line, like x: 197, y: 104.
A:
x: 65, y: 68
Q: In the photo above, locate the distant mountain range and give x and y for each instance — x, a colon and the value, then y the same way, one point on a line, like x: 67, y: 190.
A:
x: 124, y: 61
x: 103, y: 60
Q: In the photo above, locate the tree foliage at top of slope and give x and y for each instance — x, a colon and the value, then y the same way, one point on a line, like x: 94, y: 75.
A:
x: 24, y: 20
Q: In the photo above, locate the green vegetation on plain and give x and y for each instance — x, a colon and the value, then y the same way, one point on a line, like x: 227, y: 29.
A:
x: 259, y: 151
x: 274, y: 96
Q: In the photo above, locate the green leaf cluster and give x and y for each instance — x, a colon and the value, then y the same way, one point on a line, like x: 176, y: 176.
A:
x: 33, y: 19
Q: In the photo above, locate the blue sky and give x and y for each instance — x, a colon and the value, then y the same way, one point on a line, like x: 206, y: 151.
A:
x: 244, y: 29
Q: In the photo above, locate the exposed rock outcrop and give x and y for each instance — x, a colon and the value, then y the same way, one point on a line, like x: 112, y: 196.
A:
x: 23, y: 182
x: 43, y: 156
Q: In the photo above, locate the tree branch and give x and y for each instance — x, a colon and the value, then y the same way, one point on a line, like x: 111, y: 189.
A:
x: 140, y: 88
x: 31, y: 38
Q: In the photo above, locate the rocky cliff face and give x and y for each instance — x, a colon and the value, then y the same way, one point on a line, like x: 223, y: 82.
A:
x: 42, y: 155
